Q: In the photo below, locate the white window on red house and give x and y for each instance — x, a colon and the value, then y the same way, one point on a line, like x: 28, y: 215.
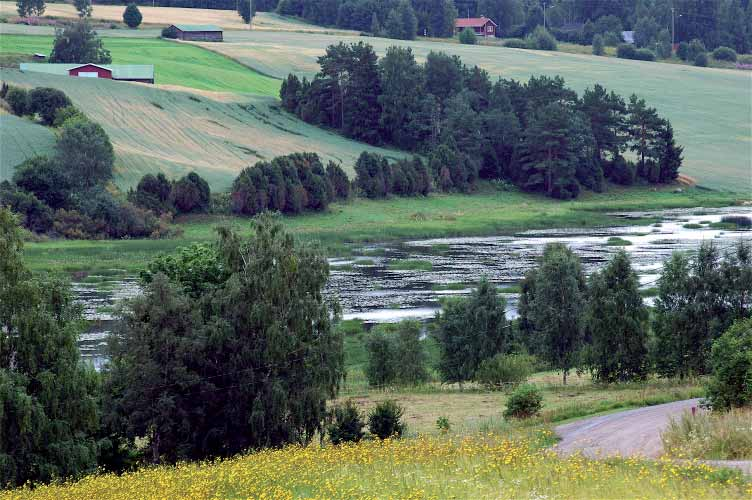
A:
x: 88, y: 74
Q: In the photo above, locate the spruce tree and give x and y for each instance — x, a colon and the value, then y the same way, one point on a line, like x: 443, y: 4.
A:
x: 48, y: 398
x: 670, y: 155
x: 644, y: 128
x: 616, y: 323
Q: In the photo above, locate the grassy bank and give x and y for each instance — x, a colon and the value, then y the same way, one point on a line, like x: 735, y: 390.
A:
x: 714, y: 436
x: 343, y: 225
x: 477, y: 467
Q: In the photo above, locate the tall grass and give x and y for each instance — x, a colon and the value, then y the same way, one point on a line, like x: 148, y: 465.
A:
x: 717, y: 436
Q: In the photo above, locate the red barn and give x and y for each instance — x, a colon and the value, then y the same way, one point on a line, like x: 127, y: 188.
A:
x: 143, y: 73
x: 482, y: 26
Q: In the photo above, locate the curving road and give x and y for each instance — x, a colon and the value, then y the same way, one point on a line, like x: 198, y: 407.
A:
x: 629, y: 433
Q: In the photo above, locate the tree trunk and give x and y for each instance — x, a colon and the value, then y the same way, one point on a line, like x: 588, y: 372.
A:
x: 565, y: 372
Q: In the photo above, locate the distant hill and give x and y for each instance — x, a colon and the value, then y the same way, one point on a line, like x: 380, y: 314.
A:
x: 21, y: 139
x: 175, y: 132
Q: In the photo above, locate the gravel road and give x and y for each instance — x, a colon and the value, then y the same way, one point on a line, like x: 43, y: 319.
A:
x: 629, y: 433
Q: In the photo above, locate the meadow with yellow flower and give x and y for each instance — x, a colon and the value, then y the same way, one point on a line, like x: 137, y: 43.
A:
x: 426, y: 467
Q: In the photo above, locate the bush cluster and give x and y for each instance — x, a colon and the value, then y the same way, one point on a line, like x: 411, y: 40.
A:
x: 385, y: 420
x: 346, y: 424
x: 396, y: 355
x: 375, y: 177
x: 504, y: 369
x: 629, y: 51
x: 724, y: 54
x: 189, y: 194
x: 289, y: 184
x: 526, y: 401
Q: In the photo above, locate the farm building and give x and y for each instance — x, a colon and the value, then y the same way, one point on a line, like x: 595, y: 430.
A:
x: 143, y: 73
x: 482, y: 25
x: 198, y: 32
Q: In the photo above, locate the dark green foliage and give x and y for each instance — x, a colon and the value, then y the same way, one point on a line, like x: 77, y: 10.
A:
x: 724, y: 54
x: 701, y: 59
x: 79, y: 43
x: 669, y: 154
x: 663, y: 47
x: 526, y: 401
x: 36, y: 216
x: 290, y: 93
x: 41, y: 177
x: 66, y: 113
x: 517, y: 43
x: 467, y: 37
x: 288, y: 184
x: 731, y: 367
x: 695, y: 48
x: 554, y: 306
x: 85, y: 153
x: 132, y: 16
x: 376, y: 178
x: 401, y: 82
x: 103, y: 215
x: 83, y: 7
x: 26, y: 8
x: 645, y: 128
x: 244, y: 10
x: 504, y: 370
x: 396, y: 355
x: 153, y: 193
x: 251, y: 361
x: 385, y: 420
x: 598, y: 45
x: 541, y: 39
x: 683, y: 51
x: 469, y: 331
x: 46, y: 102
x: 339, y: 184
x: 401, y: 22
x: 628, y: 51
x: 616, y: 323
x: 452, y: 170
x: 48, y: 397
x: 645, y: 32
x: 698, y: 299
x: 18, y: 100
x: 347, y: 425
x: 190, y: 194
x: 169, y: 32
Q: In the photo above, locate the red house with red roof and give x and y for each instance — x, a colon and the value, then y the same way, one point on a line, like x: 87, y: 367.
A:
x: 482, y: 25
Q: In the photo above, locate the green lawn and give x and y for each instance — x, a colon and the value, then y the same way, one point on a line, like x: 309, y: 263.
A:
x: 21, y: 139
x: 484, y: 213
x: 174, y: 63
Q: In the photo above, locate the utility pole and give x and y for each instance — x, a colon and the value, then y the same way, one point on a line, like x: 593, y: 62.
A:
x: 672, y: 29
x: 250, y: 14
x: 544, y: 15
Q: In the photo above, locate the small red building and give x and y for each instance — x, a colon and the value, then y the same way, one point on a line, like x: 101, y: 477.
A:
x: 482, y: 25
x: 143, y: 73
x: 91, y: 71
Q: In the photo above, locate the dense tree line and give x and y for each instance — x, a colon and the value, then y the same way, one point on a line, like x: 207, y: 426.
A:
x: 156, y: 193
x: 402, y: 19
x: 540, y: 135
x: 66, y: 193
x: 289, y: 184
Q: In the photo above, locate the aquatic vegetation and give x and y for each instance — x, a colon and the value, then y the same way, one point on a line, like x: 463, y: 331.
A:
x: 446, y: 466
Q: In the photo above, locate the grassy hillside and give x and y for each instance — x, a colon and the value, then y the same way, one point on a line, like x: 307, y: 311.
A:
x: 21, y: 139
x: 487, y: 212
x: 155, y: 130
x: 174, y: 63
x: 709, y: 108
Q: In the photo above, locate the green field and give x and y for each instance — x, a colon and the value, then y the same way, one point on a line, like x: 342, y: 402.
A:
x: 21, y: 139
x: 361, y: 221
x: 174, y: 63
x: 709, y: 108
x: 175, y: 132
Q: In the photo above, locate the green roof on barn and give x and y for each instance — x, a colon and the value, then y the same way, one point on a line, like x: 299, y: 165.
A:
x: 119, y: 71
x: 197, y: 27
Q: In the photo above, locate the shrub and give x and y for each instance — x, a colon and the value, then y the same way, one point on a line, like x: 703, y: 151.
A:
x: 695, y: 47
x: 467, y: 37
x: 385, y: 420
x: 644, y: 55
x: 724, y: 54
x: 44, y: 179
x: 621, y: 171
x: 347, y: 424
x: 381, y: 367
x: 132, y: 16
x: 442, y: 423
x: 598, y: 45
x: 502, y: 369
x: 18, y: 100
x: 526, y: 401
x: 541, y: 39
x: 37, y: 216
x: 626, y: 51
x: 701, y: 59
x: 612, y: 39
x: 396, y: 355
x: 169, y: 32
x: 46, y: 102
x: 738, y: 220
x: 66, y: 113
x: 731, y: 363
x: 516, y: 43
x: 683, y: 51
x: 153, y: 193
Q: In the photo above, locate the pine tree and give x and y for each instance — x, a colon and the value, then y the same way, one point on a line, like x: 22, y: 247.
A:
x: 132, y: 16
x: 48, y: 398
x: 556, y: 305
x: 644, y: 128
x: 616, y: 323
x: 83, y: 7
x: 401, y: 84
x: 607, y: 114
